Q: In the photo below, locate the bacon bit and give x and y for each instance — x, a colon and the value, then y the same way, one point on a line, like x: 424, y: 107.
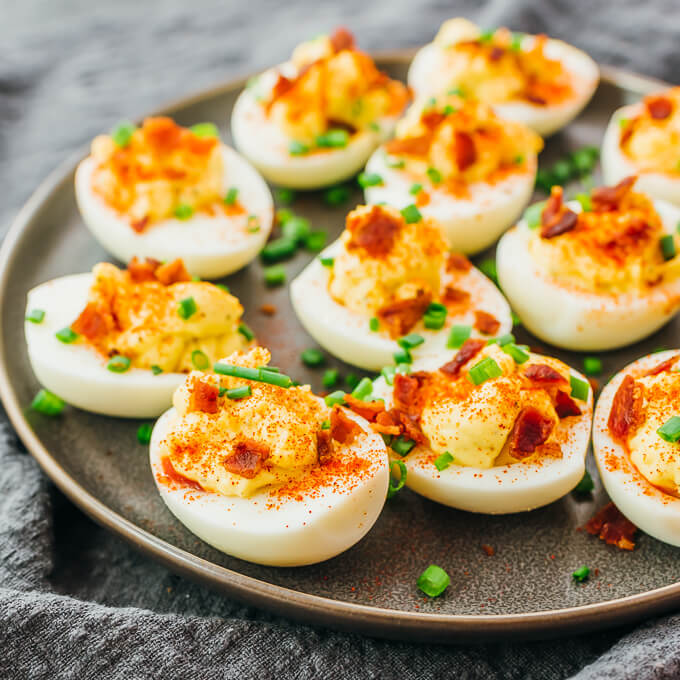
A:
x: 455, y: 296
x: 411, y: 146
x: 343, y: 428
x: 281, y: 86
x: 341, y: 39
x: 406, y: 388
x: 565, y: 406
x: 535, y: 99
x: 140, y: 271
x: 469, y: 349
x: 374, y: 232
x: 401, y: 316
x: 663, y: 366
x: 324, y: 446
x: 625, y: 406
x: 410, y: 429
x: 659, y: 107
x: 247, y: 458
x: 268, y: 309
x: 140, y: 225
x: 388, y: 422
x: 171, y: 476
x: 542, y: 373
x: 203, y: 396
x: 549, y: 450
x: 564, y: 223
x: 605, y: 199
x: 531, y: 430
x: 486, y: 323
x: 458, y: 262
x: 430, y: 119
x: 488, y: 549
x: 366, y: 409
x: 466, y: 154
x: 556, y: 219
x: 496, y: 53
x: 612, y: 527
x: 553, y: 206
x: 172, y: 272
x: 91, y: 323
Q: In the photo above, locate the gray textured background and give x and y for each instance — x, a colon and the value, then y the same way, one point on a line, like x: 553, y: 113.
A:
x: 74, y: 601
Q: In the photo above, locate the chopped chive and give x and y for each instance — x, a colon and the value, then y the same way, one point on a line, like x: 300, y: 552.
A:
x: 516, y: 42
x: 156, y: 369
x: 312, y: 357
x: 222, y: 391
x: 533, y: 213
x: 562, y: 171
x: 336, y: 195
x: 581, y: 574
x: 333, y: 139
x: 275, y: 275
x: 272, y: 377
x: 519, y: 159
x: 623, y: 122
x: 585, y: 201
x: 374, y: 126
x: 415, y: 189
x: 200, y: 360
x: 363, y: 389
x: 579, y: 388
x: 337, y: 397
x: 516, y: 321
x: 433, y: 581
x: 296, y: 148
x: 448, y: 110
x: 122, y: 133
x: 583, y: 160
x: 488, y: 268
x: 392, y: 488
x: 592, y: 366
x: 410, y: 341
x: 296, y: 228
x: 223, y: 288
x: 67, y: 335
x: 352, y: 380
x: 411, y: 214
x: 484, y: 370
x: 667, y: 244
x: 388, y: 372
x: 285, y: 196
x: 119, y: 363
x: 278, y: 249
x: 205, y: 130
x: 271, y: 369
x: 246, y: 332
x: 516, y: 352
x: 670, y: 430
x: 586, y: 484
x: 369, y: 179
x: 396, y: 164
x: 239, y: 392
x: 257, y: 374
x: 187, y: 308
x: 434, y: 175
x: 487, y: 35
x: 327, y: 261
x: 402, y: 356
x: 183, y: 211
x: 315, y: 240
x: 330, y: 378
x: 443, y: 461
x: 144, y: 433
x: 283, y: 215
x: 35, y: 316
x: 435, y: 316
x: 47, y: 403
x: 326, y: 425
x: 458, y: 334
x: 374, y: 324
x: 402, y: 446
x: 502, y: 340
x: 253, y: 224
x: 403, y: 368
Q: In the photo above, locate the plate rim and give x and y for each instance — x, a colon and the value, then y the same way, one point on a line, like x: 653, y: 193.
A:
x: 300, y: 606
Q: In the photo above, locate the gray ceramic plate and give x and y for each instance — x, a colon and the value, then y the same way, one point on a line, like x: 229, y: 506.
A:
x: 525, y: 589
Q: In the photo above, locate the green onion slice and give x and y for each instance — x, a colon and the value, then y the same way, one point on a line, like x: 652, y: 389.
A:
x: 484, y: 370
x: 119, y: 363
x: 670, y: 430
x: 200, y: 360
x: 239, y: 392
x: 186, y: 308
x: 337, y: 397
x: 363, y: 389
x: 581, y: 574
x: 47, y: 403
x: 410, y: 341
x: 579, y: 388
x: 144, y: 433
x: 393, y: 489
x: 67, y: 335
x: 312, y: 357
x: 411, y: 214
x: 443, y: 461
x: 433, y: 581
x: 458, y: 334
x: 35, y: 316
x: 402, y: 445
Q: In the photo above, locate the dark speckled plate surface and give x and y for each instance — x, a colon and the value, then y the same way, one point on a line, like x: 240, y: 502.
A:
x: 525, y: 589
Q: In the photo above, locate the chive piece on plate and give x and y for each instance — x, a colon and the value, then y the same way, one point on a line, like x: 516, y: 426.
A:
x: 312, y: 357
x: 47, y: 403
x: 592, y: 365
x: 275, y: 275
x: 581, y: 574
x: 144, y: 433
x: 330, y: 378
x: 246, y: 332
x: 433, y: 581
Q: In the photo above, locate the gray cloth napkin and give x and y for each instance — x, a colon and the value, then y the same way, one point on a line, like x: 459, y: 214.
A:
x: 75, y: 602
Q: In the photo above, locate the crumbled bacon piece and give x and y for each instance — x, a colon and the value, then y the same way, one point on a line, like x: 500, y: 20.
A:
x: 531, y: 430
x: 247, y: 458
x: 268, y: 309
x: 324, y: 446
x: 142, y: 270
x: 486, y: 323
x: 550, y: 450
x: 458, y: 262
x: 612, y: 527
x: 341, y: 39
x: 401, y: 316
x: 411, y: 146
x: 469, y: 349
x: 140, y: 224
x: 406, y: 392
x: 374, y: 231
x: 203, y: 396
x: 496, y: 53
x: 388, y: 422
x: 663, y: 366
x: 343, y: 428
x: 604, y: 199
x: 431, y: 118
x: 488, y: 549
x: 542, y: 373
x: 172, y: 272
x: 625, y: 407
x: 564, y: 223
x: 91, y: 323
x: 454, y: 297
x: 366, y: 409
x: 659, y: 107
x: 466, y: 153
x: 565, y: 406
x: 535, y: 99
x: 410, y: 429
x: 556, y: 219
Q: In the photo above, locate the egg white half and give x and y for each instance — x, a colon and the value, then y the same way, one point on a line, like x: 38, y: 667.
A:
x: 616, y: 165
x: 211, y: 247
x: 76, y: 372
x: 545, y: 120
x: 655, y: 512
x: 346, y: 334
x: 503, y: 489
x: 266, y: 145
x: 282, y: 531
x: 575, y: 319
x: 470, y: 224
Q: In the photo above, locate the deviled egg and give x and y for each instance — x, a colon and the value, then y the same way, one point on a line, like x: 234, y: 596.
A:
x: 593, y: 274
x: 636, y: 440
x: 461, y: 165
x: 316, y: 119
x: 643, y: 139
x: 388, y: 289
x: 532, y: 79
x: 165, y: 191
x: 265, y: 471
x: 495, y: 429
x: 120, y: 342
